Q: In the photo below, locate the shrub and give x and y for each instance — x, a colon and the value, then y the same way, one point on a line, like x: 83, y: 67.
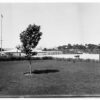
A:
x: 47, y: 58
x: 14, y: 58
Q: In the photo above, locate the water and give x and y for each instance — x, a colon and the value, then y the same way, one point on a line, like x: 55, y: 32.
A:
x: 82, y: 56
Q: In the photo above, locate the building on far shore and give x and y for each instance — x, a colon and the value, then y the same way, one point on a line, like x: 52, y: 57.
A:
x: 18, y: 53
x: 49, y: 53
x: 13, y: 52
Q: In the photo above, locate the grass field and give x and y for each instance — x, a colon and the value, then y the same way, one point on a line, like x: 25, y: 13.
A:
x: 62, y: 78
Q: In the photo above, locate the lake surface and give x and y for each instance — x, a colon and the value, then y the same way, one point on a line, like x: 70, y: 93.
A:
x: 82, y: 56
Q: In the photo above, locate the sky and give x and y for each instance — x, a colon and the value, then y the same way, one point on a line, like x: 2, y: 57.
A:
x: 61, y: 23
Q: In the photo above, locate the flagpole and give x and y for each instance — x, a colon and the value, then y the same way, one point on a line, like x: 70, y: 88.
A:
x: 1, y: 35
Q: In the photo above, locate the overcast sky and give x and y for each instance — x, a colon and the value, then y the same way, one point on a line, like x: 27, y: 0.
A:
x: 61, y: 23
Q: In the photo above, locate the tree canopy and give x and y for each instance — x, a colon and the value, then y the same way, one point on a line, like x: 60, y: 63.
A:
x: 30, y: 38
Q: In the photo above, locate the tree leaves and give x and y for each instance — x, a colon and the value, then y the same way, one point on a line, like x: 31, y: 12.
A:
x: 30, y: 38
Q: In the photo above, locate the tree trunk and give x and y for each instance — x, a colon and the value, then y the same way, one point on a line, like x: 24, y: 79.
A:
x: 30, y: 67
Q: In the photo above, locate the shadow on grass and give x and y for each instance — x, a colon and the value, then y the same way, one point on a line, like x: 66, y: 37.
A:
x: 45, y: 71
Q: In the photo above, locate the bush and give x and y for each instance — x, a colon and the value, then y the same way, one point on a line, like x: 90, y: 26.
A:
x: 14, y: 58
x: 47, y: 58
x: 36, y: 58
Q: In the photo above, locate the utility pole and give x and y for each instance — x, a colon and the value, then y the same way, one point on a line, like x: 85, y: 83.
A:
x: 1, y: 33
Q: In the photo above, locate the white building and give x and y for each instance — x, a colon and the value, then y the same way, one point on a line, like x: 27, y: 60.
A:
x: 49, y: 53
x: 15, y: 52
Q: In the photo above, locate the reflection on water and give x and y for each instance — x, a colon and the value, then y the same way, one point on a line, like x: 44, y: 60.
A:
x: 82, y: 56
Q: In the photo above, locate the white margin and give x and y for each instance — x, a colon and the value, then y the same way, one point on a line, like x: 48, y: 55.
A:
x: 49, y: 1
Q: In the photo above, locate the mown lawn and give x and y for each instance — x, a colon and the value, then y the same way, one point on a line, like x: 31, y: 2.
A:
x: 70, y: 79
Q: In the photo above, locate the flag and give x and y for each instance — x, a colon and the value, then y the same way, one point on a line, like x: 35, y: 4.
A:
x: 1, y: 16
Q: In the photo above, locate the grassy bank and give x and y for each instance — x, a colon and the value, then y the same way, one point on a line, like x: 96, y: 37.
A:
x: 70, y: 78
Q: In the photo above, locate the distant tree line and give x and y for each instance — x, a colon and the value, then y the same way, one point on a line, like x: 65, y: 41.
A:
x: 87, y: 48
x: 74, y: 48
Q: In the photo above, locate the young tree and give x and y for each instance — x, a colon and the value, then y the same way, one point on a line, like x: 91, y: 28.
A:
x: 30, y: 38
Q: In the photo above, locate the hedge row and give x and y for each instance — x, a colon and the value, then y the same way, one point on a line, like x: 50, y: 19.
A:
x: 45, y: 58
x: 24, y: 58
